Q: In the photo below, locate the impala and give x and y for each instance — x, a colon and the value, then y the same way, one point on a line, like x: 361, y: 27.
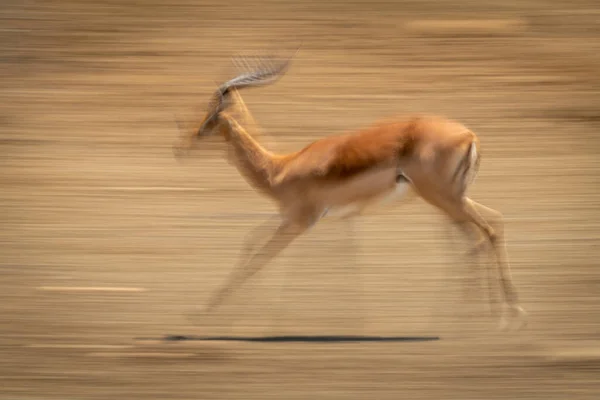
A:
x: 348, y: 173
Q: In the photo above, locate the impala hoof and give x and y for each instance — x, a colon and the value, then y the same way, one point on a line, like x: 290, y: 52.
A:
x: 517, y: 320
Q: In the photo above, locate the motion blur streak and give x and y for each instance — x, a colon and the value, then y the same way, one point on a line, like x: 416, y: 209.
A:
x: 106, y: 237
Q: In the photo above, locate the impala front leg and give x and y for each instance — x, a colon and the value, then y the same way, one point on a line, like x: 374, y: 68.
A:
x: 255, y: 236
x: 283, y: 236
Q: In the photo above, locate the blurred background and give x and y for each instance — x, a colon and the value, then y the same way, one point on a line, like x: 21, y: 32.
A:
x: 106, y: 237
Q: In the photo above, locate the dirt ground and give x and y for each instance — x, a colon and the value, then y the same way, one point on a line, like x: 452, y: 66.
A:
x: 92, y: 197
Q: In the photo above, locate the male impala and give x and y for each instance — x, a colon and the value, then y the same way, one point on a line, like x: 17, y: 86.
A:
x: 347, y: 173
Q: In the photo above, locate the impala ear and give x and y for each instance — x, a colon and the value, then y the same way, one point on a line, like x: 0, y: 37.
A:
x: 265, y: 72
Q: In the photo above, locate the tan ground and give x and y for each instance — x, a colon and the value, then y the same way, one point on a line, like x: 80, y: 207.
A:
x: 92, y: 197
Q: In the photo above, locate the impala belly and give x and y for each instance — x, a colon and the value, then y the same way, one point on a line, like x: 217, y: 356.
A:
x: 366, y: 190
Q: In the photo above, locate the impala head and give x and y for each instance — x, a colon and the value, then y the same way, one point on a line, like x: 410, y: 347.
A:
x: 263, y: 75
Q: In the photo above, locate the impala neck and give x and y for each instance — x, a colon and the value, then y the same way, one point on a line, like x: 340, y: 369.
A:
x: 253, y: 161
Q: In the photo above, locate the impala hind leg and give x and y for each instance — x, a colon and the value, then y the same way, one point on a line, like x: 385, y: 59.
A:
x: 493, y: 228
x: 474, y: 260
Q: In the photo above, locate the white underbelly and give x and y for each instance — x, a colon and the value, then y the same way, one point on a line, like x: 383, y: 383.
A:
x: 395, y: 194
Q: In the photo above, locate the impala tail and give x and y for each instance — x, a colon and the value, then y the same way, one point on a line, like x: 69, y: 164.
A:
x: 468, y: 166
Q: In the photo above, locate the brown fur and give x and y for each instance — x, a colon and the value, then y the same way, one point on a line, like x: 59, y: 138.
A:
x: 355, y: 170
x: 392, y: 143
x: 340, y: 157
